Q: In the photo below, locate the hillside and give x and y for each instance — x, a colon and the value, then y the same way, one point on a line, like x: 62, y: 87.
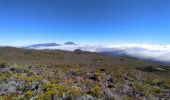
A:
x: 31, y: 56
x: 55, y: 74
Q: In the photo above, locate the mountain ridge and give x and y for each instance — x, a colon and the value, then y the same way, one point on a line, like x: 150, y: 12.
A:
x: 48, y: 45
x: 42, y: 45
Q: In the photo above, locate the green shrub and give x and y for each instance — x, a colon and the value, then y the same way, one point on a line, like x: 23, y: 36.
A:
x: 3, y: 64
x: 28, y: 95
x: 156, y: 90
x: 96, y: 91
x: 74, y: 92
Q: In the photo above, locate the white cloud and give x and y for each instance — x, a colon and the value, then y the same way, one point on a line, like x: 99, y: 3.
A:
x: 146, y: 51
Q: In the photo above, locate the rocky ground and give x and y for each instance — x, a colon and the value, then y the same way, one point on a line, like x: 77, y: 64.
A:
x: 80, y: 82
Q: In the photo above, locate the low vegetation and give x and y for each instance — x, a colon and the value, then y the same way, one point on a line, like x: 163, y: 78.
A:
x: 96, y: 80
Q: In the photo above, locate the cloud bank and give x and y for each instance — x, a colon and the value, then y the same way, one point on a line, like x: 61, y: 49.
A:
x: 144, y: 51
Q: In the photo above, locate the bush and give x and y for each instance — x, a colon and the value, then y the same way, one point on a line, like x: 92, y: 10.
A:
x: 28, y: 95
x: 140, y: 87
x: 74, y: 92
x: 156, y: 90
x: 3, y: 64
x: 56, y: 89
x: 96, y: 91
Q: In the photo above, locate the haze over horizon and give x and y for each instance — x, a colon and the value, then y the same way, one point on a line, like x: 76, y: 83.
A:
x: 107, y: 22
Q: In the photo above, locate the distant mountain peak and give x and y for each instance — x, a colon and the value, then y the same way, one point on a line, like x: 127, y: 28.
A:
x: 43, y: 45
x: 69, y: 43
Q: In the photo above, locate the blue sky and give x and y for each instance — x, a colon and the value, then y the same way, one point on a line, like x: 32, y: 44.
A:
x: 24, y: 22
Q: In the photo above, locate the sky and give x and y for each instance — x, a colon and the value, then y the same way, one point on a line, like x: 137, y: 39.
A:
x: 25, y: 22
